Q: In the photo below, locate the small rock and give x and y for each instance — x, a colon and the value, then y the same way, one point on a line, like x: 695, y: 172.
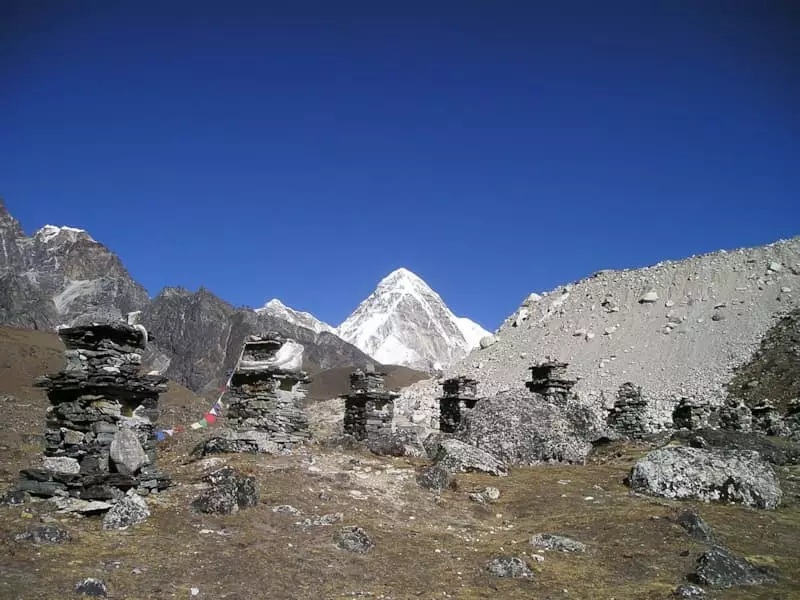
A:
x: 229, y: 492
x: 485, y: 496
x: 649, y: 297
x: 353, y: 539
x: 488, y: 340
x: 775, y: 266
x: 92, y: 587
x: 689, y: 591
x: 717, y: 316
x: 194, y: 591
x: 557, y: 542
x: 720, y: 568
x: 129, y: 511
x: 786, y: 290
x: 610, y: 330
x: 695, y: 526
x: 286, y: 508
x: 589, y: 336
x: 15, y: 498
x: 509, y: 566
x: 669, y: 304
x: 44, y: 534
x: 579, y: 332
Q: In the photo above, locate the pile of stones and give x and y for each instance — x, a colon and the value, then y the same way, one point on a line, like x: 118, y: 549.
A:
x: 265, y: 396
x: 550, y: 380
x: 100, y: 440
x: 629, y: 416
x: 369, y: 407
x: 458, y: 399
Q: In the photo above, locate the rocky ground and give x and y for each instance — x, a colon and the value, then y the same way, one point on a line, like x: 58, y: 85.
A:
x: 678, y: 328
x: 337, y: 522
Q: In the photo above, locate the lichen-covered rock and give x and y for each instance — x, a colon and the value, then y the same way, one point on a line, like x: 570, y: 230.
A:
x: 353, y: 539
x: 560, y: 543
x: 720, y: 568
x: 689, y: 590
x: 434, y: 477
x: 459, y: 457
x: 710, y: 475
x: 44, y: 534
x: 92, y: 587
x: 397, y: 443
x: 527, y: 430
x: 785, y: 452
x: 131, y: 510
x: 485, y: 496
x: 228, y: 493
x: 509, y: 566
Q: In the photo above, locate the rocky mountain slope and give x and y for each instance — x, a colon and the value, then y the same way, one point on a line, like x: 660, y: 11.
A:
x: 405, y: 322
x: 677, y: 328
x: 198, y: 338
x: 278, y: 309
x: 60, y: 275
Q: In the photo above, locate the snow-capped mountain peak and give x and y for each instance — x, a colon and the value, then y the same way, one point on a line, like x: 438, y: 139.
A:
x: 405, y: 322
x: 49, y: 233
x: 278, y: 309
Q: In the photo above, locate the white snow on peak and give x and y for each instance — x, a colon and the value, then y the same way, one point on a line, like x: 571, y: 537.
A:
x: 405, y: 322
x: 50, y: 232
x: 278, y: 309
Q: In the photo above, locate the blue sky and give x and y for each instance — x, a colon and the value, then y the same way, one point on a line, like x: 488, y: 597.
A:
x: 303, y: 150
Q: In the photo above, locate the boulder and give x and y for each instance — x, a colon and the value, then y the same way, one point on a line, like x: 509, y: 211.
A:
x: 780, y: 453
x: 730, y: 476
x: 695, y: 526
x: 434, y: 478
x: 228, y: 493
x: 720, y: 568
x: 522, y: 429
x: 127, y: 452
x: 131, y: 510
x: 458, y: 457
x: 398, y: 443
x: 485, y: 496
x: 559, y: 543
x: 509, y: 566
x: 353, y: 539
x: 487, y: 340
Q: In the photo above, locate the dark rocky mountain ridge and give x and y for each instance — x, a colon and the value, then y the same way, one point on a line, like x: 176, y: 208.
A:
x: 61, y: 275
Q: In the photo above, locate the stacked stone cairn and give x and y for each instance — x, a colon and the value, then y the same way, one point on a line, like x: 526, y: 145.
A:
x: 457, y: 401
x: 264, y: 399
x: 100, y: 441
x: 550, y: 380
x: 369, y: 407
x: 629, y: 415
x: 691, y: 413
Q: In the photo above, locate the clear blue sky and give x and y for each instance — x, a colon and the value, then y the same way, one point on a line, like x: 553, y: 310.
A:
x: 495, y: 148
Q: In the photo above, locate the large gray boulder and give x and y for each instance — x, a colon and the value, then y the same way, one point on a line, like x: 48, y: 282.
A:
x: 130, y: 510
x: 457, y: 457
x: 522, y: 429
x: 731, y: 476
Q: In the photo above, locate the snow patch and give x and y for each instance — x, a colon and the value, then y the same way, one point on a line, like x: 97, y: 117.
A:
x: 471, y: 331
x: 50, y: 232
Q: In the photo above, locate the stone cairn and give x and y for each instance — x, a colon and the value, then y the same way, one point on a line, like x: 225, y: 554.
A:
x: 767, y: 419
x: 550, y: 380
x: 369, y: 407
x: 457, y: 401
x: 264, y: 398
x: 100, y: 440
x: 691, y: 413
x: 629, y: 415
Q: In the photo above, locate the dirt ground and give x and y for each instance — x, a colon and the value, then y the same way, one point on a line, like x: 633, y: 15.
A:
x: 426, y: 546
